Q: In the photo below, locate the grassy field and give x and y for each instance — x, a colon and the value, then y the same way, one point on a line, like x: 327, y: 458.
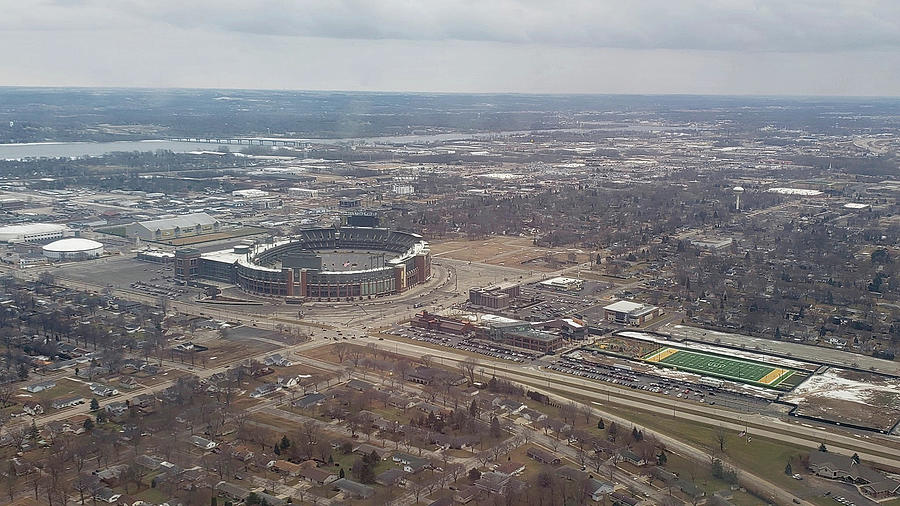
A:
x: 64, y: 388
x: 745, y: 371
x: 763, y: 457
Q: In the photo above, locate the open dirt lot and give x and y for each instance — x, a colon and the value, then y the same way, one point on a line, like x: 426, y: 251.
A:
x: 516, y: 252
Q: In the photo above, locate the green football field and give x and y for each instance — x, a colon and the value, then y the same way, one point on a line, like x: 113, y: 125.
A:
x: 746, y: 371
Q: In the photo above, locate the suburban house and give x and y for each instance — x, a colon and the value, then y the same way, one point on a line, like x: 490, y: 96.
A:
x: 511, y: 468
x: 632, y: 458
x: 390, y: 477
x: 40, y: 387
x: 32, y: 408
x: 317, y: 475
x: 542, y: 456
x: 410, y: 463
x: 309, y: 400
x: 493, y: 482
x: 242, y: 453
x: 232, y: 491
x: 263, y: 390
x: 107, y: 495
x: 599, y: 489
x: 367, y: 449
x: 116, y: 408
x: 532, y: 415
x: 66, y: 402
x: 103, y: 390
x: 359, y: 385
x: 111, y: 475
x: 203, y: 443
x: 466, y: 495
x: 353, y: 489
x: 284, y: 467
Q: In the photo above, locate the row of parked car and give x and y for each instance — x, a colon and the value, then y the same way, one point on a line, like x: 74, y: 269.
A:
x: 631, y: 379
x: 466, y: 344
x: 494, y: 351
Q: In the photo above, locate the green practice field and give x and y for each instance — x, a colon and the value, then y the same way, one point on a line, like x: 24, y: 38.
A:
x: 746, y: 371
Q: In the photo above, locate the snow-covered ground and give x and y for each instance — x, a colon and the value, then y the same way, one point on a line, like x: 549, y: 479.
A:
x: 835, y: 384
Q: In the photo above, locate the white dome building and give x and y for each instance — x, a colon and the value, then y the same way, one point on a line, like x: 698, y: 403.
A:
x: 73, y: 248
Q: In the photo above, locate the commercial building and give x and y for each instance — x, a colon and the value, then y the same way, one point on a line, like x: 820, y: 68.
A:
x: 712, y: 244
x: 438, y: 323
x: 302, y: 192
x: 187, y: 263
x: 156, y: 256
x: 251, y: 193
x: 563, y: 284
x: 32, y: 232
x: 172, y: 228
x: 630, y: 313
x: 521, y: 335
x: 498, y: 297
x: 72, y: 248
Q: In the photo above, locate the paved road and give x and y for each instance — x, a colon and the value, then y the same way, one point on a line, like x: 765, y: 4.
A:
x: 804, y: 436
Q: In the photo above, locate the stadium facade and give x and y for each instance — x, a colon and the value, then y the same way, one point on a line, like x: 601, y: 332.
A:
x: 320, y: 263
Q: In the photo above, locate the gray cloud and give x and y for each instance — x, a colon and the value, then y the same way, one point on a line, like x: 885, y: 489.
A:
x: 801, y: 47
x: 742, y: 25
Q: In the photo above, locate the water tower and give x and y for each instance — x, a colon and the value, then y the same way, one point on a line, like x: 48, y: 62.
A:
x: 738, y: 190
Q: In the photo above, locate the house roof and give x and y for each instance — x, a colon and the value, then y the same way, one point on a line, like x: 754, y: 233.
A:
x: 390, y: 476
x: 353, y: 487
x: 316, y: 474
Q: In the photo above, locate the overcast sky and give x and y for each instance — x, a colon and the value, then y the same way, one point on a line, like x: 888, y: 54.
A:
x: 797, y: 47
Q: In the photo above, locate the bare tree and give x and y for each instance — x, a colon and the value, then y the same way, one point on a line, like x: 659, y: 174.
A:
x: 586, y: 412
x: 341, y: 349
x: 568, y: 411
x: 468, y: 366
x: 721, y: 438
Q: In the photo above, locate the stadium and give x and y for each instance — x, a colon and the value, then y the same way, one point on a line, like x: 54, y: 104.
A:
x: 320, y: 263
x: 734, y: 369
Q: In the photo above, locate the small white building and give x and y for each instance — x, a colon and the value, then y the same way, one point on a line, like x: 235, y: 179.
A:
x: 630, y: 313
x: 563, y: 283
x: 403, y: 189
x: 203, y: 443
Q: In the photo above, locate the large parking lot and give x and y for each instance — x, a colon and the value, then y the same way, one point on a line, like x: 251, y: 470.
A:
x: 473, y: 345
x: 623, y: 376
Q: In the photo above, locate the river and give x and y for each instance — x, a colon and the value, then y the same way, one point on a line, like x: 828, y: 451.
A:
x: 80, y: 149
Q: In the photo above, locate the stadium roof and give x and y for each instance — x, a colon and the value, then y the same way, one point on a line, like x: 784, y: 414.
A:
x: 72, y: 244
x: 184, y: 221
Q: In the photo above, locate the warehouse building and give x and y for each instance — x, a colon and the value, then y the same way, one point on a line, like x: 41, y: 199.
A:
x: 630, y: 313
x: 32, y: 232
x: 171, y: 228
